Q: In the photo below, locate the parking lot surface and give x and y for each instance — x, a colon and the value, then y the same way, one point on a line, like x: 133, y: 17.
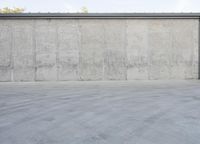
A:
x: 112, y: 112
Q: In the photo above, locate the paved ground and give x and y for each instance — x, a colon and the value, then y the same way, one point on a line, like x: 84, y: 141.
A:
x: 139, y: 112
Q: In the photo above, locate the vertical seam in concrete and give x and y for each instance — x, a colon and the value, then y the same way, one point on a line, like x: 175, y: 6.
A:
x: 194, y: 70
x: 34, y: 49
x: 57, y: 52
x: 79, y: 50
x: 104, y: 50
x: 11, y: 53
x: 148, y: 50
x: 126, y: 53
x: 12, y: 56
x: 171, y: 46
x: 105, y: 53
x: 199, y: 49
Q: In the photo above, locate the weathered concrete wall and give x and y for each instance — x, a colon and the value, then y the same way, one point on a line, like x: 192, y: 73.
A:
x: 98, y: 49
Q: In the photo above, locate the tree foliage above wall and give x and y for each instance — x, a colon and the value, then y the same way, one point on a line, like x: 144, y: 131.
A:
x: 84, y: 10
x: 12, y: 10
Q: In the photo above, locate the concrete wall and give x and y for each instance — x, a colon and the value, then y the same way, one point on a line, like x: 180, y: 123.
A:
x: 98, y: 49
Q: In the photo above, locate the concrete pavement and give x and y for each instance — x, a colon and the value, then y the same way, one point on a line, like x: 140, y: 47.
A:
x: 131, y: 112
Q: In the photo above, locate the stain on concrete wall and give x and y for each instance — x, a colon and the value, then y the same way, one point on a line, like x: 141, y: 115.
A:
x: 115, y: 52
x: 137, y: 49
x: 98, y: 49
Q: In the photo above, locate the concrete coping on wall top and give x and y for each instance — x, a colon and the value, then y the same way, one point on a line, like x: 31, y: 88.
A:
x: 99, y: 15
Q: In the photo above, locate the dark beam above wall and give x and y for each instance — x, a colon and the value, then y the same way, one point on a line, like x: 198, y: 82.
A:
x: 100, y: 15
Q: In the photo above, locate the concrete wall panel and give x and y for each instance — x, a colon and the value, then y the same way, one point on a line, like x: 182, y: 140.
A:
x: 184, y: 35
x: 68, y: 50
x: 137, y: 49
x: 23, y: 52
x: 115, y: 50
x: 5, y: 50
x: 46, y: 50
x: 159, y: 47
x: 91, y: 50
x: 98, y: 49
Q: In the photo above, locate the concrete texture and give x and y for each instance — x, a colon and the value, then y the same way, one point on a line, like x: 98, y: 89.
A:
x: 142, y: 112
x: 6, y: 50
x: 91, y: 49
x: 68, y: 50
x: 98, y: 49
x: 137, y: 49
x: 46, y: 48
x: 22, y: 51
x: 115, y: 54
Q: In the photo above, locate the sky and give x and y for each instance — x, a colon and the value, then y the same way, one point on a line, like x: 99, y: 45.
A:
x: 99, y: 6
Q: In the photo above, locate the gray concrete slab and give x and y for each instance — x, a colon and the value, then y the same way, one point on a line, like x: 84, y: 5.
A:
x: 5, y: 48
x: 131, y: 112
x: 23, y: 51
x: 137, y: 49
x: 91, y: 49
x: 68, y: 50
x: 115, y: 52
x: 46, y: 50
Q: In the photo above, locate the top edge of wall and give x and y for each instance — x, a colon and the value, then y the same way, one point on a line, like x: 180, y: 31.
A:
x: 98, y: 15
